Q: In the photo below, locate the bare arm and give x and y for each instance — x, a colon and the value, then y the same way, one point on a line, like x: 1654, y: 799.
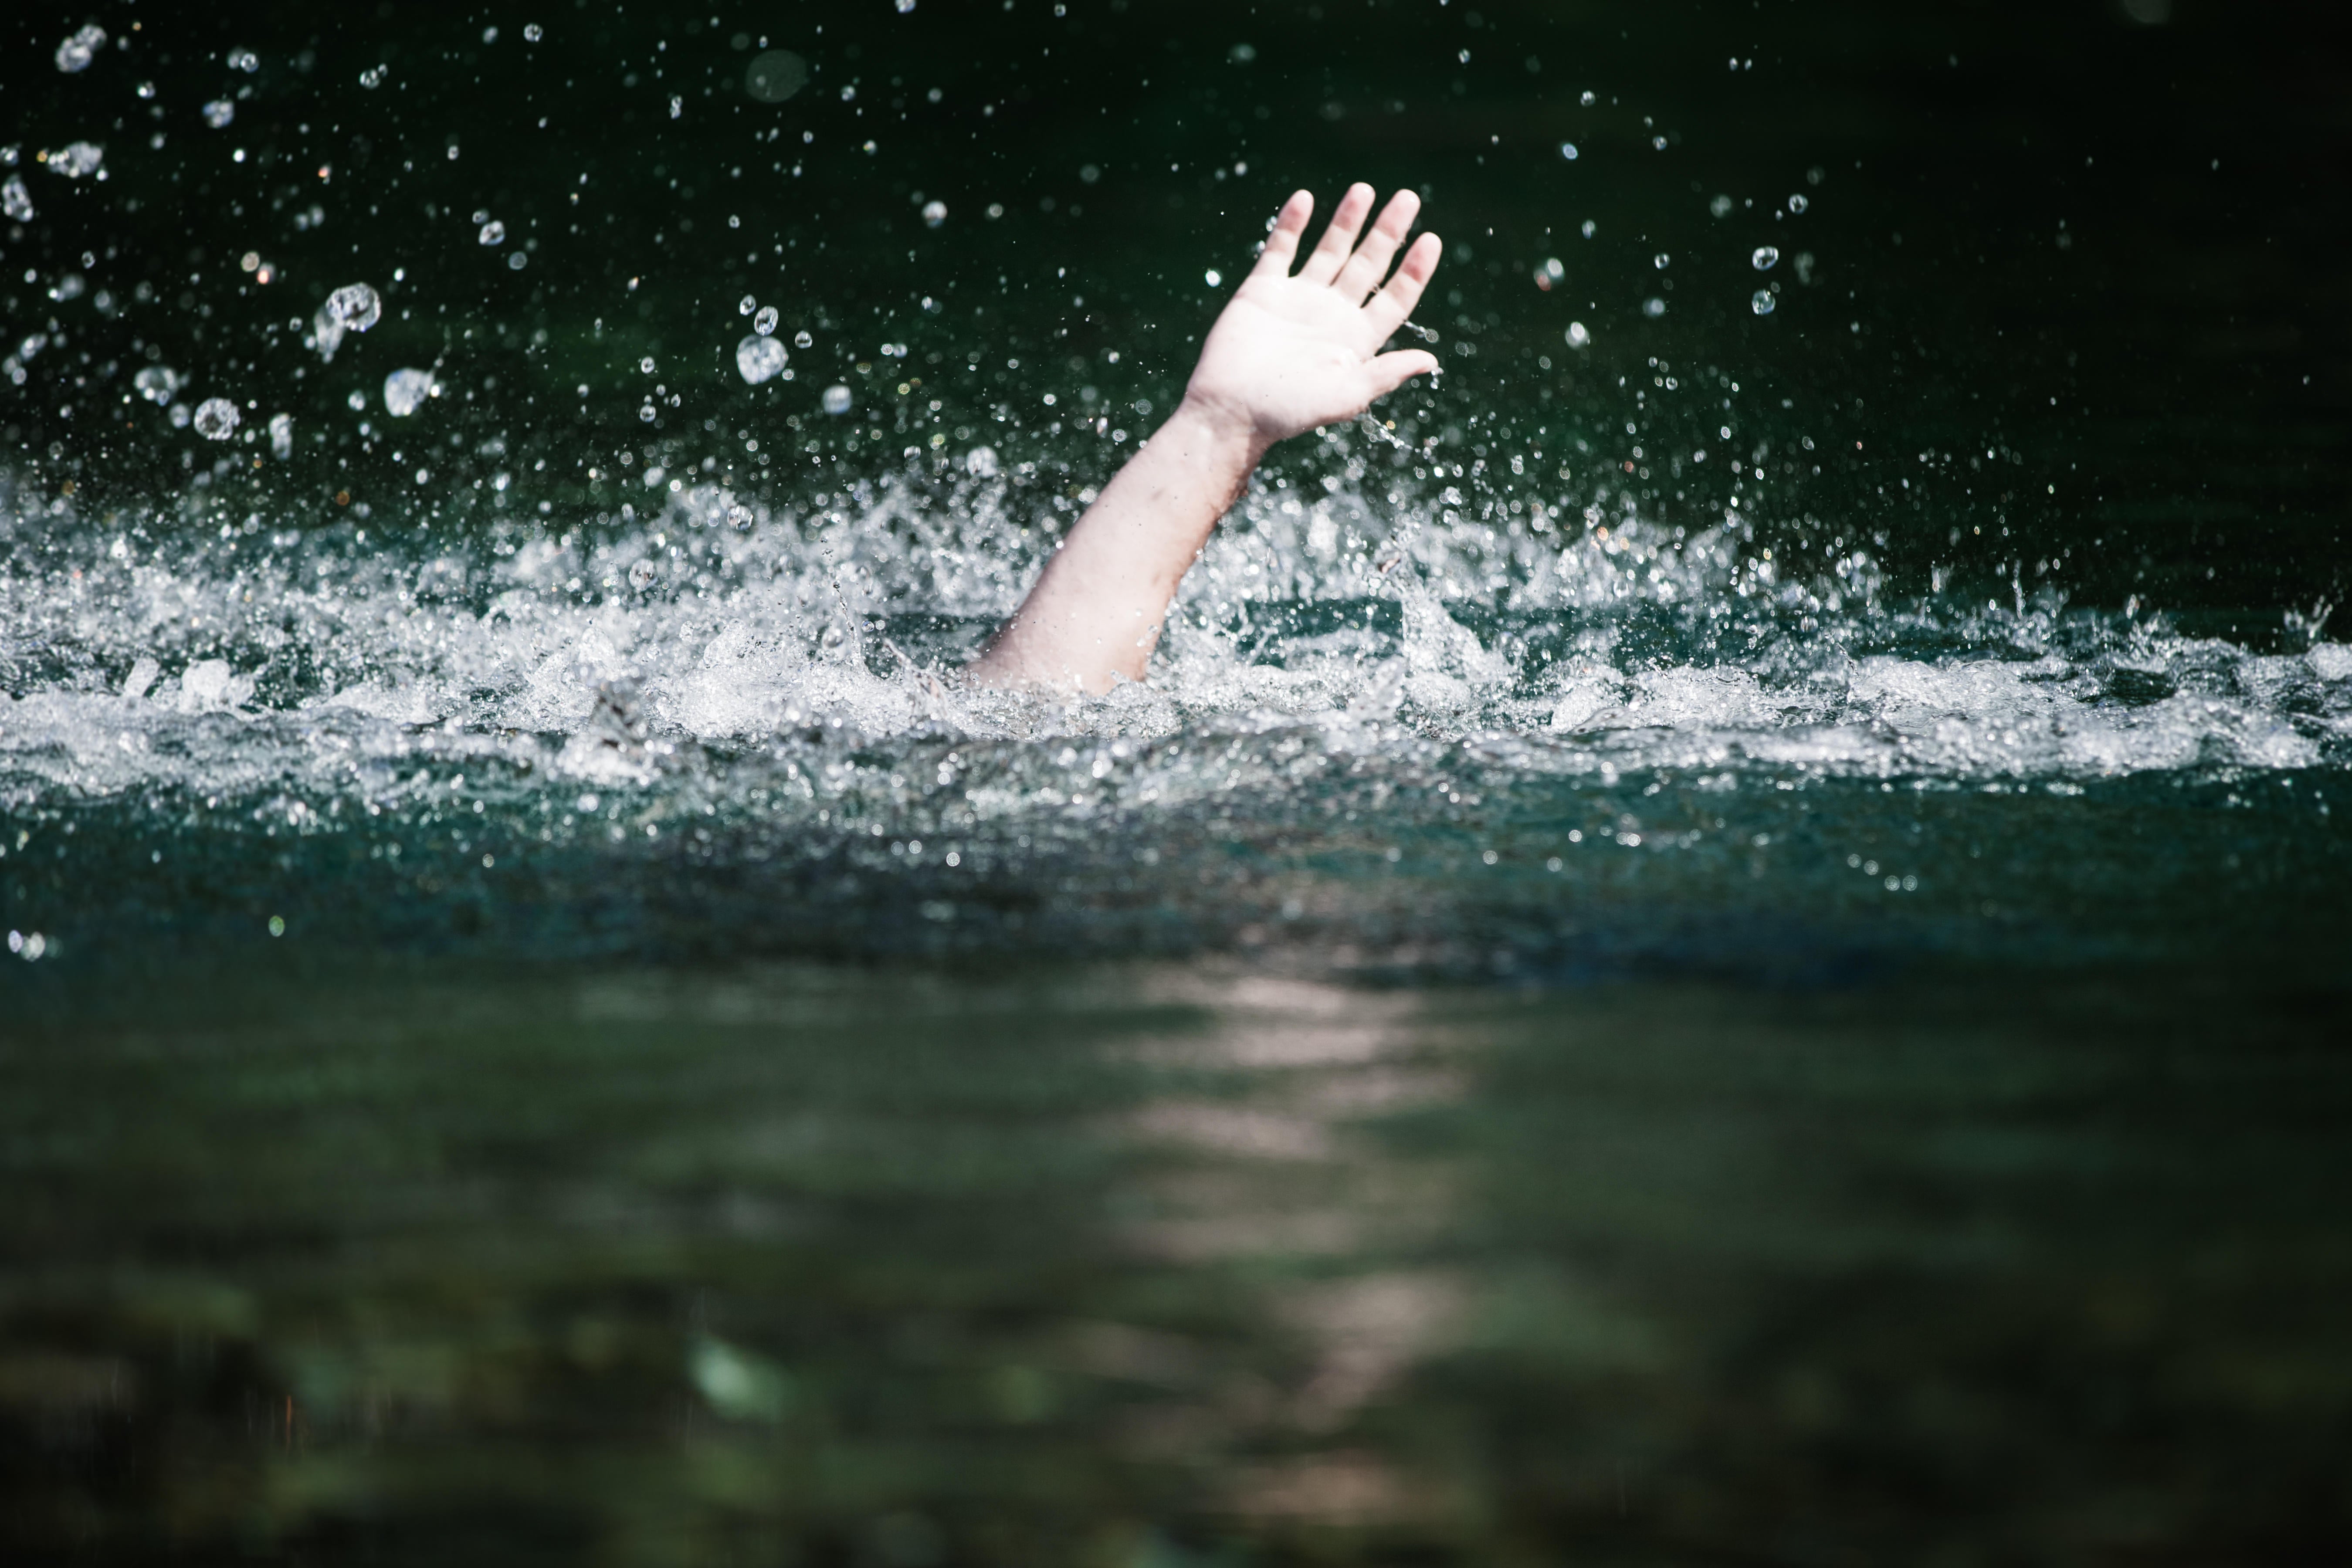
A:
x: 1289, y: 353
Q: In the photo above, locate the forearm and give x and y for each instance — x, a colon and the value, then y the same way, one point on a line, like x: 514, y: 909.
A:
x: 1097, y: 609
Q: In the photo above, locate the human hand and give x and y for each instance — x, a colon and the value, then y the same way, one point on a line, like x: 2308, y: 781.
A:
x: 1290, y: 352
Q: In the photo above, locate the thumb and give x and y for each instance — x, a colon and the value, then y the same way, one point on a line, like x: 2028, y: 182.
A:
x: 1392, y: 371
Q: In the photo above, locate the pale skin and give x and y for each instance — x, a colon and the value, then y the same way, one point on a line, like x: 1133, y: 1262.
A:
x: 1290, y: 352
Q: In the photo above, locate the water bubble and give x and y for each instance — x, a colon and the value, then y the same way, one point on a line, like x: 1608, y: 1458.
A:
x: 1551, y: 273
x: 179, y: 415
x: 746, y: 305
x: 404, y: 391
x: 1765, y: 258
x: 357, y: 402
x: 738, y: 516
x: 1720, y: 206
x: 934, y: 214
x: 646, y: 412
x: 677, y: 107
x: 76, y: 53
x: 282, y: 436
x: 646, y: 364
x: 836, y: 399
x: 1242, y: 54
x: 76, y: 159
x: 1659, y: 143
x: 1568, y: 151
x: 493, y: 232
x: 981, y: 463
x: 373, y: 76
x: 1578, y: 336
x: 517, y: 261
x: 68, y: 287
x: 1797, y: 204
x: 1588, y: 228
x: 1763, y: 302
x: 1089, y: 173
x: 1586, y: 99
x: 244, y: 60
x: 775, y: 75
x: 905, y: 7
x: 15, y: 200
x: 801, y: 340
x: 1214, y: 277
x: 531, y: 32
x: 642, y: 574
x: 1653, y: 307
x: 1661, y: 261
x: 490, y: 35
x: 157, y: 382
x: 996, y: 209
x: 766, y: 321
x: 219, y: 112
x: 759, y: 358
x: 215, y: 418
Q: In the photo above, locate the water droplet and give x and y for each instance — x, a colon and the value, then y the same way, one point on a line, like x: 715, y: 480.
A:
x: 935, y: 213
x: 1765, y: 258
x: 216, y: 419
x: 1568, y: 151
x: 76, y: 53
x: 1720, y: 206
x: 76, y: 159
x: 219, y: 112
x: 802, y: 341
x: 493, y: 232
x: 355, y: 308
x: 1653, y: 307
x: 1797, y: 204
x: 404, y: 391
x: 1578, y: 336
x: 774, y: 76
x: 759, y: 358
x: 836, y: 399
x: 1763, y: 302
x: 766, y: 321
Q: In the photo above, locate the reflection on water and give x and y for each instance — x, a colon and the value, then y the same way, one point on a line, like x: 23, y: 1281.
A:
x: 1170, y: 1265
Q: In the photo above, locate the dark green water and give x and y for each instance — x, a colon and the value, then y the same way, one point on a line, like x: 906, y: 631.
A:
x: 1729, y: 944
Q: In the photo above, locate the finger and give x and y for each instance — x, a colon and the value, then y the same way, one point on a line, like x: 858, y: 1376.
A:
x: 1387, y: 309
x: 1282, y: 241
x: 1371, y: 263
x: 1389, y: 371
x: 1339, y: 239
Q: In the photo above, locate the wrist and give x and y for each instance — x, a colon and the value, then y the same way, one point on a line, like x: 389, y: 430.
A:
x: 1217, y: 433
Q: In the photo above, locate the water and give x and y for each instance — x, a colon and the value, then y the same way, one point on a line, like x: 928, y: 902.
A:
x: 1713, y: 935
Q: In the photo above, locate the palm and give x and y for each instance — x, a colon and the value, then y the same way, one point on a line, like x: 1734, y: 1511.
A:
x: 1291, y: 352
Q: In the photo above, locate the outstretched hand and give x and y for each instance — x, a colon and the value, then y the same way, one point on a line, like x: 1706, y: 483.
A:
x: 1295, y: 350
x: 1289, y: 353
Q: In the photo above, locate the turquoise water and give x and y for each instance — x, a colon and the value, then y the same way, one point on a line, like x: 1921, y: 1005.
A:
x: 1719, y: 936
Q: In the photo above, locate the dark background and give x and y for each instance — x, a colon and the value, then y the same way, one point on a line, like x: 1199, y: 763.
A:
x: 2077, y: 280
